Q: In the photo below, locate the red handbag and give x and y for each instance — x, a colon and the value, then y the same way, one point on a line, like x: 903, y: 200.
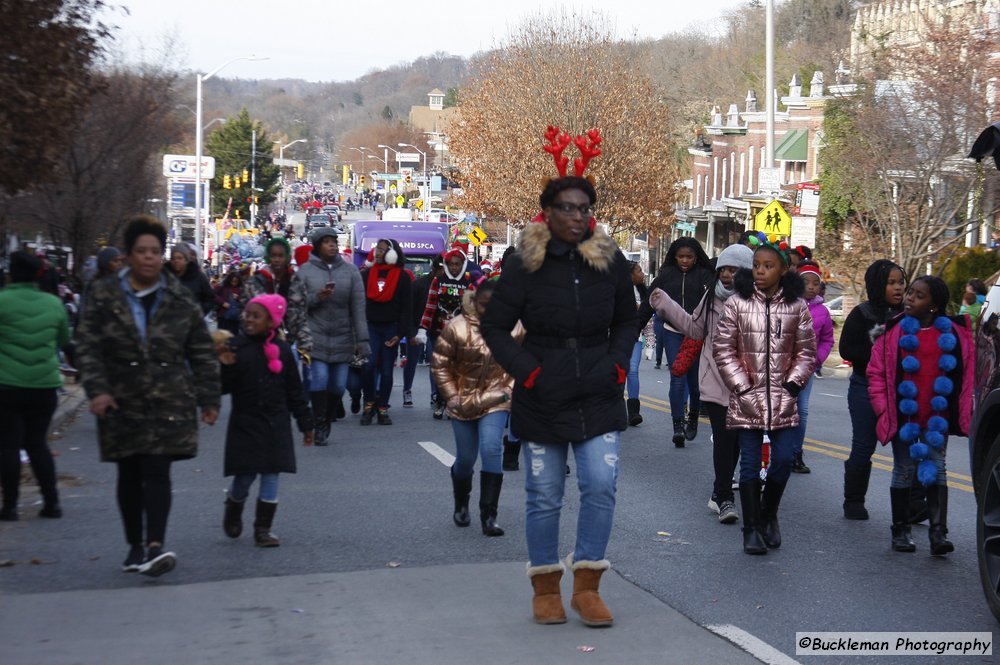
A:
x: 686, y: 356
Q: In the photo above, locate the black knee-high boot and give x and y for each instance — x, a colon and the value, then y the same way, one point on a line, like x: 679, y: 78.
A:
x: 318, y: 399
x: 489, y: 497
x: 461, y: 489
x: 753, y: 543
x: 900, y: 501
x: 937, y: 507
x: 769, y: 513
x: 511, y: 455
x: 855, y: 488
x: 918, y: 501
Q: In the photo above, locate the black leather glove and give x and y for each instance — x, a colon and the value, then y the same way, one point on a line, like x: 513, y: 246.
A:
x: 793, y: 388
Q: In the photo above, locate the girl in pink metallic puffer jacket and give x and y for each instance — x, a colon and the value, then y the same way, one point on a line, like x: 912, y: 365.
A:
x: 765, y: 348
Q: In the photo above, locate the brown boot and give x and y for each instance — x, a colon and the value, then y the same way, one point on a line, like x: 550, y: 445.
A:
x: 547, y: 604
x: 586, y: 600
x: 232, y: 522
x: 262, y: 536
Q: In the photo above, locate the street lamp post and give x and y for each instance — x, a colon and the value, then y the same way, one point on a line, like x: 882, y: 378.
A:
x: 362, y: 150
x: 427, y: 185
x: 198, y: 140
x: 281, y: 156
x: 385, y: 152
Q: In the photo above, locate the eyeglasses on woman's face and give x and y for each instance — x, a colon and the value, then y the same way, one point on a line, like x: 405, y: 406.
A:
x: 585, y: 210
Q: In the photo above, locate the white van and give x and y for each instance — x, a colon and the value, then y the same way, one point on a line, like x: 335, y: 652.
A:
x: 397, y: 215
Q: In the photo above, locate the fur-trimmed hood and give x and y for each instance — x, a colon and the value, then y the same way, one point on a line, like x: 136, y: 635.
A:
x: 598, y: 250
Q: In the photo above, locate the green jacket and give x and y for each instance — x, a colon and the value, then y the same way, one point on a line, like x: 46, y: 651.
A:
x: 33, y: 325
x: 158, y: 383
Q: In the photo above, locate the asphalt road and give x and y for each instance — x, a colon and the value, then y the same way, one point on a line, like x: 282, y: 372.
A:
x: 380, y: 496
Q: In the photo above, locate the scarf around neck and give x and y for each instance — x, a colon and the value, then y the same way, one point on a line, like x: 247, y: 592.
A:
x: 721, y: 292
x: 382, y: 282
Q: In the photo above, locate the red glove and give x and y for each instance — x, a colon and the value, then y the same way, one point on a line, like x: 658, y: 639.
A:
x: 529, y: 383
x: 621, y: 374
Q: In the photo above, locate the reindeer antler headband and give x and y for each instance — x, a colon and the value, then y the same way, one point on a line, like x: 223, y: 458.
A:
x: 556, y: 141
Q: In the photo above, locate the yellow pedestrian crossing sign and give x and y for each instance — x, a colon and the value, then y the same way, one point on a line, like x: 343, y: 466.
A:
x: 773, y: 220
x: 477, y: 236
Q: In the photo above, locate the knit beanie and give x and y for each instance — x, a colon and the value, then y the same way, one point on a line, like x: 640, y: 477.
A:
x: 105, y: 256
x: 276, y: 308
x: 302, y: 254
x: 735, y: 256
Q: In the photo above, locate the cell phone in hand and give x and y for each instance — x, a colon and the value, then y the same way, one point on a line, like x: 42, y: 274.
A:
x: 330, y: 286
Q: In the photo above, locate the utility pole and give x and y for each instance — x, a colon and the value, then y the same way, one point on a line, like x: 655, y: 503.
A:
x: 253, y: 182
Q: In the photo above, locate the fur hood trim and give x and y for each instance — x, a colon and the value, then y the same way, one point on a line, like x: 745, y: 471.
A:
x: 598, y: 251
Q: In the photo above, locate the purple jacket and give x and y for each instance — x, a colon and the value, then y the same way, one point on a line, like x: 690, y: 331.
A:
x: 823, y: 325
x: 883, y: 379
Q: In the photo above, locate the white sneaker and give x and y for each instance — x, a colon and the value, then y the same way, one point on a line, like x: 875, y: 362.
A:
x: 158, y: 562
x: 713, y: 506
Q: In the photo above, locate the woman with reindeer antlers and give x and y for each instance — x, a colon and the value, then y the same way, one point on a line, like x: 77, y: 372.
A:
x: 570, y: 287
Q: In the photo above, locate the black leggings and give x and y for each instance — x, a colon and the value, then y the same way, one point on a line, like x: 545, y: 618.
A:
x: 144, y: 486
x: 25, y: 414
x: 725, y: 452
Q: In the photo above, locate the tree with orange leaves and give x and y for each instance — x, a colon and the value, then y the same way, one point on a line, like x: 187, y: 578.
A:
x: 566, y: 71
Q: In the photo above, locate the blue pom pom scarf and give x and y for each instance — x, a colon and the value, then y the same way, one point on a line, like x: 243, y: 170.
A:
x: 934, y: 436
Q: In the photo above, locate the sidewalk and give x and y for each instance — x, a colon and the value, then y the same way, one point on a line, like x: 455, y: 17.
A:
x: 438, y: 615
x: 71, y: 398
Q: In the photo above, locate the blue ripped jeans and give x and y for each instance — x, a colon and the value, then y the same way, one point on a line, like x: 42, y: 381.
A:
x: 545, y: 483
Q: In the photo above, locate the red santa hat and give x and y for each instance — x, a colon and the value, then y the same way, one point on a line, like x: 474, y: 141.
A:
x: 302, y: 253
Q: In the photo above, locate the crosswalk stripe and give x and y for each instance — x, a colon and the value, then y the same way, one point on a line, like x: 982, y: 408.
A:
x: 437, y: 452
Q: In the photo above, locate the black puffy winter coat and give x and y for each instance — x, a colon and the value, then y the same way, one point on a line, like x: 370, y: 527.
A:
x: 259, y: 436
x: 578, y: 308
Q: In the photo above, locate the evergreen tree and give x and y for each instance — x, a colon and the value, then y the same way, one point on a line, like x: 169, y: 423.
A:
x: 232, y: 146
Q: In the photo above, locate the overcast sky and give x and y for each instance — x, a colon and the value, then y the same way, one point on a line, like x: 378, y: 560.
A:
x: 339, y: 40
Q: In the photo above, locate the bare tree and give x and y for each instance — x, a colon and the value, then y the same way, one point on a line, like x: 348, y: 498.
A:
x: 895, y: 183
x: 48, y: 48
x: 112, y: 164
x: 569, y: 71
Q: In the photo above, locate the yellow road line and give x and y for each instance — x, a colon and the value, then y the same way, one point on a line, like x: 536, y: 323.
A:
x: 830, y: 449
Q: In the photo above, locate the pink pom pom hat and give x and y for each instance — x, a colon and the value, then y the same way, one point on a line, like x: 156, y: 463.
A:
x: 276, y: 308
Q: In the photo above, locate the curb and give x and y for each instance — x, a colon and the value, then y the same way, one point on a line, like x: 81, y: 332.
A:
x: 69, y: 405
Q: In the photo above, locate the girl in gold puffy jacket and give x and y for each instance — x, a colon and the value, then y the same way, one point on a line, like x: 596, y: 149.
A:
x: 476, y: 391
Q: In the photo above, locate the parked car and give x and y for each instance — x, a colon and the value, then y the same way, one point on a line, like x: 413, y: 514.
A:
x: 984, y: 448
x: 334, y: 211
x: 318, y: 219
x: 836, y: 306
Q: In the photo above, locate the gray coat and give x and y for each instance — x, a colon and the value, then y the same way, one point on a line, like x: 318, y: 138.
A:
x: 337, y: 325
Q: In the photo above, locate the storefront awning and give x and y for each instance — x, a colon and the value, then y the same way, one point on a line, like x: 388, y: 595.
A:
x: 794, y: 146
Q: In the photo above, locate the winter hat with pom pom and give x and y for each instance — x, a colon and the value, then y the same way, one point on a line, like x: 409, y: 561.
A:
x: 276, y: 308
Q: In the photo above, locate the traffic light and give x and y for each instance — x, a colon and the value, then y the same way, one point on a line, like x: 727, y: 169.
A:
x: 301, y: 171
x: 236, y: 182
x: 246, y: 175
x: 407, y: 178
x: 362, y: 181
x: 256, y: 200
x: 227, y: 182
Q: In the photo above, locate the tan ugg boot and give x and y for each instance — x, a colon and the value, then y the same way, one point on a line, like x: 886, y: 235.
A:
x: 586, y: 600
x: 547, y: 604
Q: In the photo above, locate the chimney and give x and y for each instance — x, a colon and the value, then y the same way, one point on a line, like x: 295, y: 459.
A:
x: 751, y: 101
x: 795, y: 86
x: 816, y: 84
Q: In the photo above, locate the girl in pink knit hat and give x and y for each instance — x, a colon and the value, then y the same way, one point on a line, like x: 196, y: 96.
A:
x: 260, y: 373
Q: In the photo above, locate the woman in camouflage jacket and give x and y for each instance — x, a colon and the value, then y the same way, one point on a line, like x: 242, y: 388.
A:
x: 147, y: 363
